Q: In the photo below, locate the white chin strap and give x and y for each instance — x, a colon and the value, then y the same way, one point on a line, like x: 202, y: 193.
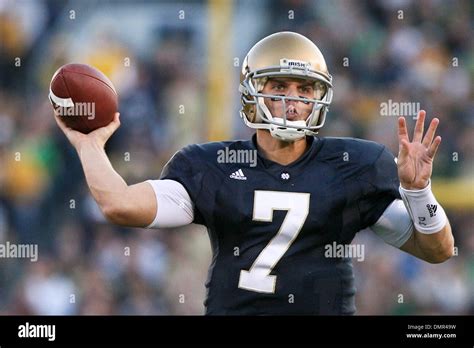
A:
x: 287, y: 134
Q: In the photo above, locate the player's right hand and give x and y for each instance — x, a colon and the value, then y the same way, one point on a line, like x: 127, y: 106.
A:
x: 98, y: 136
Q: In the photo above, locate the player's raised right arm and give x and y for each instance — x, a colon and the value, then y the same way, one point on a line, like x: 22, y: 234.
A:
x: 134, y: 205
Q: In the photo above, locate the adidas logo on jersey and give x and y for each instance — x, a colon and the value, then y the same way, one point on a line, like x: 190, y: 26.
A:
x: 432, y: 209
x: 239, y: 175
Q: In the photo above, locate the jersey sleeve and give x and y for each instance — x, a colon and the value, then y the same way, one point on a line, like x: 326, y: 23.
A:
x: 174, y: 206
x: 394, y: 226
x: 379, y: 184
x: 185, y: 169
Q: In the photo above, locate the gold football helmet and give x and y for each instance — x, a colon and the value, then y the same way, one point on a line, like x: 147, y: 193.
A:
x: 284, y: 54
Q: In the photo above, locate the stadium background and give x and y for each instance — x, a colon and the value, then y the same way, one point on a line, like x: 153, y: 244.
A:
x: 176, y: 67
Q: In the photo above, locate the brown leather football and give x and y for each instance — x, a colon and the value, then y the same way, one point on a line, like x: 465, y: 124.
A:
x: 83, y: 97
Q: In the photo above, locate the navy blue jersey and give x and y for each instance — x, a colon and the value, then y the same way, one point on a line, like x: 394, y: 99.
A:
x: 269, y: 223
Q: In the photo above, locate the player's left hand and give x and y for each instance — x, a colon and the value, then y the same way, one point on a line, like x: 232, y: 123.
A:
x: 415, y: 158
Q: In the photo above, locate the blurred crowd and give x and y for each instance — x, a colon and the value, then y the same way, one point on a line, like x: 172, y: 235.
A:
x: 400, y: 50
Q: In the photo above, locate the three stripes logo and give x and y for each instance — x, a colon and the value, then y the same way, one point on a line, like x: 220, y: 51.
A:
x: 432, y: 209
x: 239, y: 175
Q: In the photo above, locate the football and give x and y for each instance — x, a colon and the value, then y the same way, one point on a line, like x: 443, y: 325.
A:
x: 83, y: 97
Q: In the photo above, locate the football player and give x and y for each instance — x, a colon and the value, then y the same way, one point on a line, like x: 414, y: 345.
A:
x: 269, y: 221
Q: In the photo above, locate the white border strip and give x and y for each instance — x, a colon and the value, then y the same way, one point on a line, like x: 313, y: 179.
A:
x: 63, y: 102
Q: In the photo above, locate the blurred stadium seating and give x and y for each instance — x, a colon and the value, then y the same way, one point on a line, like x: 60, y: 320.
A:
x: 177, y: 80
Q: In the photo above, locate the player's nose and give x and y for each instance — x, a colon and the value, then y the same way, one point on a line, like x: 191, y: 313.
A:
x: 292, y: 93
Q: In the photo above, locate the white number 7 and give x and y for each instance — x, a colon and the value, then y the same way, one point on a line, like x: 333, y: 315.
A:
x: 258, y: 277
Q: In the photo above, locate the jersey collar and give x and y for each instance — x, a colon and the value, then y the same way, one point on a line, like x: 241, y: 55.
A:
x: 314, y: 145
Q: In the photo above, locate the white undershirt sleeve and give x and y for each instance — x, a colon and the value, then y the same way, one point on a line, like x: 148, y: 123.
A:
x: 175, y: 207
x: 395, y: 225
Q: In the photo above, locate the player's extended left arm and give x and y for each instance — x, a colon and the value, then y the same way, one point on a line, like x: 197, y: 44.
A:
x: 432, y: 239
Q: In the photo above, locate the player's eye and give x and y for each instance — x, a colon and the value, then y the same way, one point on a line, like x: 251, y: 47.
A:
x: 279, y: 87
